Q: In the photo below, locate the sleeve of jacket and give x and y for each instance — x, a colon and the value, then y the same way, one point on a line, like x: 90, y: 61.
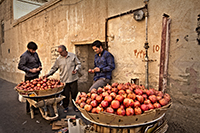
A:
x: 39, y: 62
x: 54, y: 68
x: 110, y: 63
x: 22, y: 64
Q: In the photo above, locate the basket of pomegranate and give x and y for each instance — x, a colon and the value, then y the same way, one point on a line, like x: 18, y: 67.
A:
x: 123, y: 104
x: 39, y: 87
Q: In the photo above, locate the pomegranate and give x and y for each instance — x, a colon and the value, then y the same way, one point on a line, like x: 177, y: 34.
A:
x: 109, y: 91
x: 93, y: 96
x: 83, y: 99
x: 144, y: 107
x: 88, y: 107
x: 129, y: 111
x: 126, y: 102
x: 163, y: 101
x: 113, y: 95
x: 114, y: 84
x: 108, y: 98
x: 131, y: 103
x: 108, y: 87
x: 104, y: 104
x: 160, y: 93
x: 137, y: 110
x: 93, y: 91
x: 144, y: 96
x: 110, y: 110
x: 148, y: 92
x: 156, y: 105
x: 167, y: 97
x: 88, y: 100
x: 93, y: 103
x: 128, y: 91
x: 99, y: 98
x: 152, y: 91
x: 119, y: 98
x: 121, y: 111
x: 140, y: 98
x: 114, y: 90
x: 150, y: 106
x: 124, y: 95
x: 131, y: 96
x: 136, y: 104
x: 99, y: 90
x: 99, y: 109
x: 122, y: 106
x: 82, y: 104
x: 89, y: 94
x: 120, y: 92
x: 153, y: 98
x: 158, y: 97
x: 147, y: 101
x: 83, y: 94
x: 115, y: 104
x: 94, y: 110
x: 120, y: 87
x: 138, y: 91
x: 105, y: 93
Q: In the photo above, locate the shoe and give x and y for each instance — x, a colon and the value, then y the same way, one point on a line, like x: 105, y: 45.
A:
x: 76, y: 109
x: 66, y: 110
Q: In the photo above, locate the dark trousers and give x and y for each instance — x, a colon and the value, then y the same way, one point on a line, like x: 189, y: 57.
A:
x: 69, y: 88
x: 27, y: 103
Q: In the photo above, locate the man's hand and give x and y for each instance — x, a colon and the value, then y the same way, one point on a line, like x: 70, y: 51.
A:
x: 74, y: 71
x: 45, y: 76
x: 34, y: 70
x: 96, y: 69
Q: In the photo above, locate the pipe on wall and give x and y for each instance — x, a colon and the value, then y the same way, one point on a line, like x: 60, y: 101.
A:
x: 116, y: 16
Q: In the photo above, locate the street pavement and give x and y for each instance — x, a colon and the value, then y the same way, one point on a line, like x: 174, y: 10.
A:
x: 13, y: 117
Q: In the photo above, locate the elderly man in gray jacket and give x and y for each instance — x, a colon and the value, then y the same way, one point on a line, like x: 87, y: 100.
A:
x: 68, y: 65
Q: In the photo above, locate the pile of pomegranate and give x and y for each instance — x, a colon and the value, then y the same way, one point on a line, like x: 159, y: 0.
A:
x: 122, y: 99
x: 39, y: 84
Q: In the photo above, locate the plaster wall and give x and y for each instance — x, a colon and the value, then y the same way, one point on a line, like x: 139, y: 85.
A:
x: 72, y: 22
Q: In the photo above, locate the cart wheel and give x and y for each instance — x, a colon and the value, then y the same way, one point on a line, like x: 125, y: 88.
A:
x: 50, y: 111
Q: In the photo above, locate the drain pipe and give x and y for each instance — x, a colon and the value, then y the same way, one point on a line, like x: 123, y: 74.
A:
x: 146, y: 46
x: 116, y: 16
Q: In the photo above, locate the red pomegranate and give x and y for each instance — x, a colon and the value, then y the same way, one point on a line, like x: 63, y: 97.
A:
x: 121, y: 111
x: 137, y: 110
x: 93, y: 103
x: 110, y: 110
x: 126, y: 102
x: 108, y: 98
x: 104, y: 104
x: 115, y: 104
x: 88, y: 107
x: 144, y: 107
x: 153, y: 98
x: 119, y: 98
x: 129, y: 111
x: 163, y: 101
x: 156, y: 105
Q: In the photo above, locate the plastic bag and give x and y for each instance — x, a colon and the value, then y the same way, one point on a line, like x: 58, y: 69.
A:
x: 75, y: 129
x: 21, y: 98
